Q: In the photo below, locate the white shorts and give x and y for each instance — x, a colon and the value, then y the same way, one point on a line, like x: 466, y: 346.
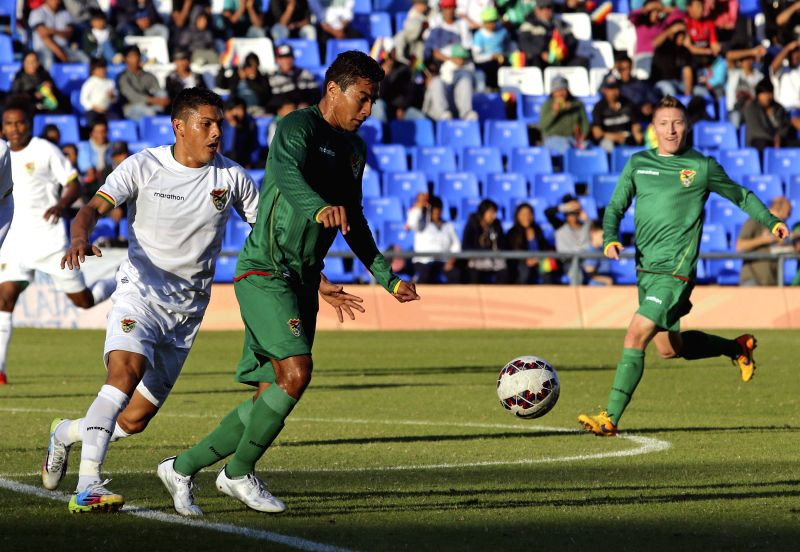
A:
x: 162, y: 336
x: 14, y: 269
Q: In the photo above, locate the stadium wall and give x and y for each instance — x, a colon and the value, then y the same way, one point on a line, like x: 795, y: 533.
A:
x: 468, y: 307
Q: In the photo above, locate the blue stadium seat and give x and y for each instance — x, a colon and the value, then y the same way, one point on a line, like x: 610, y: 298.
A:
x: 395, y: 233
x: 405, y: 186
x: 257, y: 175
x: 458, y: 134
x: 784, y: 162
x: 489, y: 106
x: 588, y: 104
x: 113, y: 70
x: 467, y: 206
x: 136, y: 147
x: 624, y: 271
x: 373, y: 25
x: 589, y: 206
x: 157, y: 129
x: 6, y: 49
x: 711, y: 134
x: 123, y: 129
x: 335, y: 272
x: 740, y: 162
x: 529, y: 108
x: 8, y: 9
x: 714, y: 238
x: 336, y: 46
x: 749, y: 7
x: 793, y: 188
x: 602, y: 188
x: 371, y: 131
x: 262, y: 130
x: 628, y: 223
x: 339, y: 244
x: 399, y: 21
x: 531, y: 161
x: 789, y: 271
x: 69, y: 76
x: 621, y: 155
x: 387, y: 158
x: 225, y: 269
x: 362, y: 6
x: 236, y: 232
x: 552, y: 187
x: 105, y: 228
x: 391, y: 6
x: 725, y: 271
x: 455, y: 186
x: 481, y: 161
x: 370, y: 183
x: 501, y: 187
x: 306, y: 52
x: 67, y: 124
x: 7, y: 73
x: 380, y: 209
x: 721, y: 211
x: 583, y: 164
x: 505, y: 135
x: 765, y: 186
x: 433, y: 160
x: 417, y: 132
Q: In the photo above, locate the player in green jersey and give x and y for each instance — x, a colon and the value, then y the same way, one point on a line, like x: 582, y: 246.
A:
x: 312, y: 190
x: 671, y: 185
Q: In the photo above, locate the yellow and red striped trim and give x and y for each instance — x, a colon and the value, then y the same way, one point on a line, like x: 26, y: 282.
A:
x: 106, y: 197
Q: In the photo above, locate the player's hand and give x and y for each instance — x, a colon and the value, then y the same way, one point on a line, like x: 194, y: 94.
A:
x: 53, y: 214
x: 613, y: 250
x: 406, y: 292
x: 335, y: 296
x: 77, y: 253
x: 781, y: 231
x: 334, y: 216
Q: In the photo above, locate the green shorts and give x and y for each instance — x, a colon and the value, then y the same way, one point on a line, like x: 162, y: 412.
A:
x: 664, y: 299
x: 279, y: 320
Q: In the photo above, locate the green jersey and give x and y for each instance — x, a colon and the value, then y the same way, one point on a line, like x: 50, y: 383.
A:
x: 310, y: 166
x: 671, y: 192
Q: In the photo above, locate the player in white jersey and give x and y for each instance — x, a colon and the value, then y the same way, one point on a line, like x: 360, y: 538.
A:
x: 179, y: 199
x: 6, y: 189
x: 37, y: 239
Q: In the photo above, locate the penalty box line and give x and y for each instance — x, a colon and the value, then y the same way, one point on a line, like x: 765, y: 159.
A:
x: 154, y: 515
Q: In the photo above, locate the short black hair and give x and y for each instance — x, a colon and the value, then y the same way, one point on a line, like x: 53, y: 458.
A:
x: 22, y: 103
x: 96, y: 63
x: 98, y: 121
x: 189, y: 99
x: 352, y: 65
x: 131, y: 48
x: 251, y: 58
x: 486, y: 205
x: 96, y: 13
x: 234, y: 101
x: 435, y: 202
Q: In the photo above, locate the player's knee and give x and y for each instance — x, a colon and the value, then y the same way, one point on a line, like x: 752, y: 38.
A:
x: 296, y: 378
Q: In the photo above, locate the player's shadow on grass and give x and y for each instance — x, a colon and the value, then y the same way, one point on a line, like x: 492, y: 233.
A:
x: 422, y: 438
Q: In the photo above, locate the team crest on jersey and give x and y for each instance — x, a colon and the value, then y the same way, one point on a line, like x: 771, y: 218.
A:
x: 30, y: 168
x: 295, y: 327
x: 355, y: 164
x: 687, y: 177
x: 127, y: 324
x: 219, y: 197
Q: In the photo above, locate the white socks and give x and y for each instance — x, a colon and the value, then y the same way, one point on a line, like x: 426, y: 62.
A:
x: 70, y: 432
x: 5, y: 337
x: 102, y: 289
x: 118, y: 434
x: 98, y: 427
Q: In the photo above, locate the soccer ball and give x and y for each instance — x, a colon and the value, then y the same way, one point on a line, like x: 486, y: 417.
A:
x: 528, y: 387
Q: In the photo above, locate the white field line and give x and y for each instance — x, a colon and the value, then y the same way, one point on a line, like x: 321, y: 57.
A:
x: 132, y: 510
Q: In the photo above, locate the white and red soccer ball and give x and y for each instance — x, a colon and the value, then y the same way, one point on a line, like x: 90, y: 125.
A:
x: 528, y: 387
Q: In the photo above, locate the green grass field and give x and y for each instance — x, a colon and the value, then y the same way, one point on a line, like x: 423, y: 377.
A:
x: 401, y: 443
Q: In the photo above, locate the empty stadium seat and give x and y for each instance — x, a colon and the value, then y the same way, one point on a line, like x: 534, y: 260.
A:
x: 433, y: 160
x: 588, y: 104
x: 621, y: 33
x: 467, y: 206
x: 714, y: 238
x: 599, y: 53
x: 740, y: 162
x: 505, y: 134
x: 602, y: 188
x: 380, y: 209
x: 789, y: 271
x: 262, y: 130
x: 336, y: 46
x: 577, y: 77
x: 624, y: 271
x: 765, y: 186
x: 257, y: 175
x: 489, y: 106
x: 69, y: 76
x: 236, y: 232
x: 455, y: 186
x: 67, y: 125
x: 711, y: 134
x: 529, y: 108
x: 156, y: 129
x: 260, y: 46
x: 525, y: 80
x: 405, y: 185
x: 552, y: 187
x: 6, y: 49
x: 362, y: 6
x: 373, y: 25
x: 105, y: 228
x: 583, y: 164
x: 371, y: 131
x: 531, y: 161
x: 621, y: 155
x: 225, y: 269
x: 370, y: 183
x: 391, y: 6
x: 481, y: 161
x: 335, y: 272
x: 580, y: 24
x: 387, y: 158
x: 793, y: 188
x: 589, y: 206
x: 501, y: 187
x: 458, y: 134
x: 7, y: 73
x: 123, y: 129
x: 721, y: 211
x: 725, y: 271
x: 417, y: 132
x: 306, y: 52
x: 399, y: 21
x: 394, y: 234
x: 784, y: 162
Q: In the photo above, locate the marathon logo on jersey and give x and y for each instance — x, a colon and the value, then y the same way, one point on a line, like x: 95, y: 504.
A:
x: 162, y: 195
x: 650, y: 172
x: 219, y: 197
x: 30, y: 168
x: 127, y: 324
x: 295, y: 327
x: 654, y: 299
x: 687, y: 177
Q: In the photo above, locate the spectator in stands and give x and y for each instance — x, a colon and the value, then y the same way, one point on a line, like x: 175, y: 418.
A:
x: 99, y: 40
x: 400, y: 95
x: 743, y: 77
x: 81, y: 11
x: 52, y: 134
x: 671, y: 69
x: 183, y: 11
x: 446, y: 29
x: 597, y: 271
x: 98, y: 92
x: 33, y: 81
x: 292, y: 19
x: 244, y: 17
x: 51, y: 27
x: 71, y: 153
x: 141, y: 94
x: 124, y: 15
x: 572, y: 236
x: 514, y: 12
x: 640, y: 93
x: 768, y: 123
x: 247, y: 83
x: 409, y: 42
x: 290, y: 87
x: 753, y: 237
x: 725, y: 15
x: 95, y: 153
x: 781, y: 20
x: 333, y: 19
x: 182, y: 76
x: 240, y: 134
x: 472, y: 11
x: 483, y: 232
x: 527, y: 235
x: 562, y: 120
x: 546, y: 41
x: 197, y: 37
x: 614, y: 118
x: 787, y: 76
x: 490, y: 45
x: 432, y: 234
x: 145, y: 25
x: 703, y: 44
x: 651, y: 21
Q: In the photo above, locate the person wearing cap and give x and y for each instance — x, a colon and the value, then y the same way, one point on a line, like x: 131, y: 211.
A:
x: 614, y: 120
x: 141, y: 94
x: 490, y: 45
x: 409, y: 43
x: 292, y: 20
x: 562, y: 120
x: 290, y: 87
x: 182, y: 76
x: 145, y: 25
x: 446, y: 29
x: 123, y: 15
x: 767, y: 122
x: 243, y: 18
x: 754, y: 238
x: 99, y: 40
x: 536, y: 33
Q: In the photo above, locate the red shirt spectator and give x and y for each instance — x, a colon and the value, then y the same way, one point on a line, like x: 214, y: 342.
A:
x: 702, y: 32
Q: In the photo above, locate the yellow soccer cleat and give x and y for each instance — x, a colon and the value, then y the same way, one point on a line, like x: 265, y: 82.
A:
x: 95, y: 498
x: 746, y: 362
x: 600, y: 425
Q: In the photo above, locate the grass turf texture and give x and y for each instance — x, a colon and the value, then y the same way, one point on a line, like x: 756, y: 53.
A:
x: 728, y: 482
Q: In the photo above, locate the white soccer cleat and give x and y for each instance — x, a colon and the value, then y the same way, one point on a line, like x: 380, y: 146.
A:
x: 180, y: 488
x: 251, y: 491
x: 54, y: 467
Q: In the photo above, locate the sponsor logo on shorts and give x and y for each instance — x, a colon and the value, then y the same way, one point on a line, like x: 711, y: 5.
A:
x: 127, y: 324
x: 219, y: 197
x: 687, y: 177
x: 654, y: 299
x: 651, y: 172
x: 295, y: 327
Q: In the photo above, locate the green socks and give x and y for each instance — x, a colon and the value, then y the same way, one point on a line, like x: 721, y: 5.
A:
x: 698, y: 345
x: 629, y: 372
x: 265, y: 423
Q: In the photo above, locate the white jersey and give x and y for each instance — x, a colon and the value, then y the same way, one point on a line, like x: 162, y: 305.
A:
x: 177, y: 217
x: 6, y: 180
x: 39, y: 171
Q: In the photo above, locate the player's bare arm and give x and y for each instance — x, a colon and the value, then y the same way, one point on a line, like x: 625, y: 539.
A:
x: 71, y: 193
x: 405, y: 292
x: 84, y: 223
x: 336, y: 297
